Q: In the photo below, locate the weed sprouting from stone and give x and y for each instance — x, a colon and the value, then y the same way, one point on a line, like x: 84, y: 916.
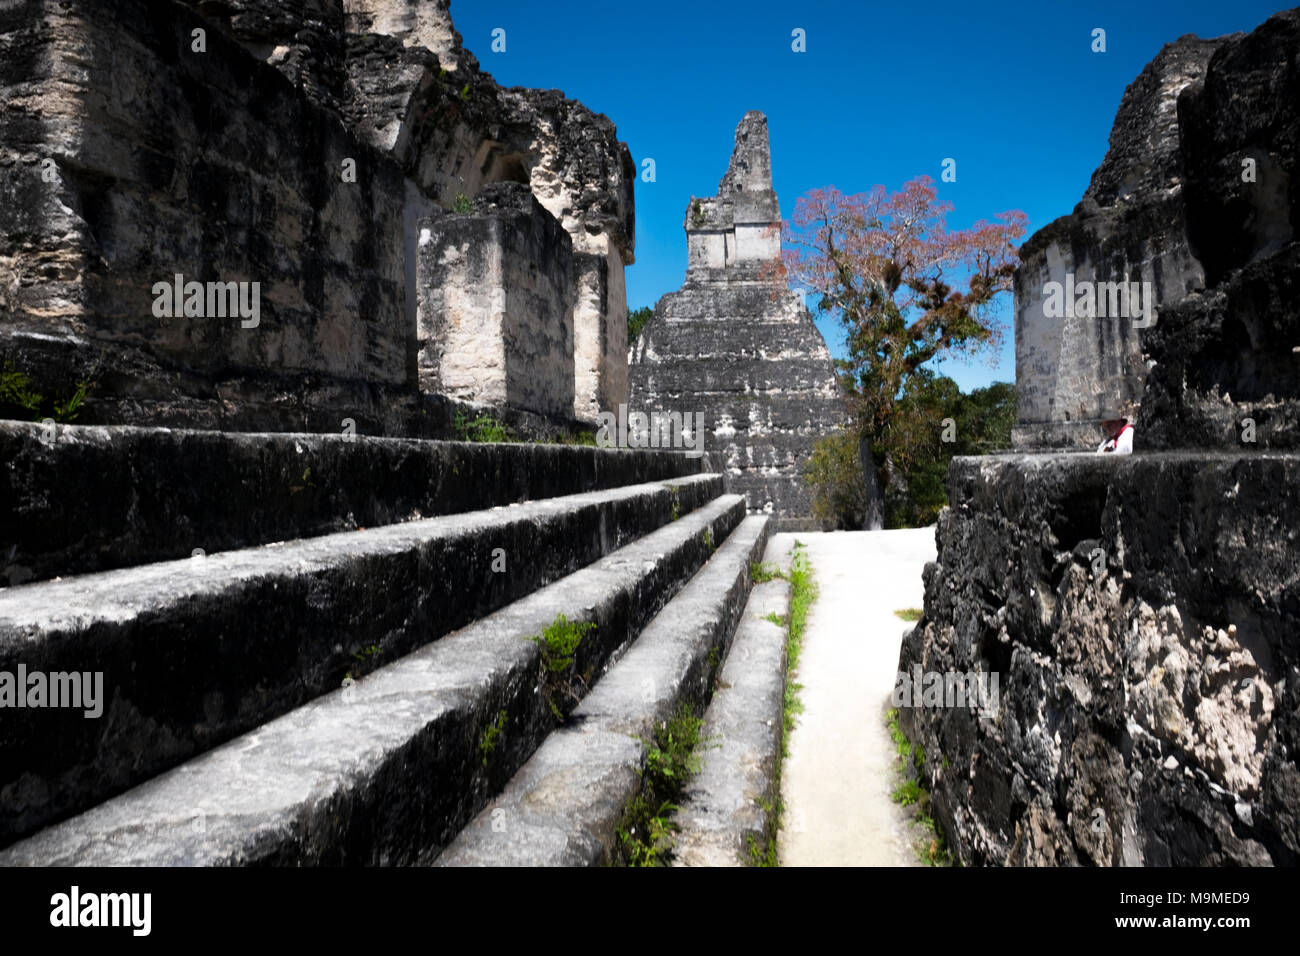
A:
x: 20, y: 398
x: 559, y: 647
x: 483, y: 428
x: 909, y: 613
x: 491, y: 734
x: 645, y: 834
x: 932, y: 849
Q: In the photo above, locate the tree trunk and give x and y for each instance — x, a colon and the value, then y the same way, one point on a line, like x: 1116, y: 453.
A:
x: 875, y: 506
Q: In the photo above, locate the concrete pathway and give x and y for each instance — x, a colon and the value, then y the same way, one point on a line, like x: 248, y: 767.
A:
x: 837, y: 780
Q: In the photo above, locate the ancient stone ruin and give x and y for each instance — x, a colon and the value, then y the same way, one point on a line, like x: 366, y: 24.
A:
x: 348, y: 158
x: 289, y: 628
x: 1142, y: 610
x: 736, y: 344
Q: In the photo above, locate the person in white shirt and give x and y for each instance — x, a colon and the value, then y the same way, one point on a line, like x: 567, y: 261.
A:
x: 1119, y: 439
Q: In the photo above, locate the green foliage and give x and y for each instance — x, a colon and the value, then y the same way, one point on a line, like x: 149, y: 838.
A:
x: 587, y: 439
x: 803, y: 591
x: 483, y: 428
x: 20, y: 399
x: 698, y: 218
x: 833, y: 473
x: 462, y: 204
x: 912, y: 450
x: 491, y: 734
x: 645, y: 834
x: 559, y: 644
x: 909, y: 793
x: 66, y: 411
x: 909, y: 452
x: 933, y: 850
x: 16, y: 392
x: 909, y: 613
x: 637, y: 320
x: 676, y: 500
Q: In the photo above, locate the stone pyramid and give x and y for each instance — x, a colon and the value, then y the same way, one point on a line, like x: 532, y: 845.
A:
x: 736, y: 344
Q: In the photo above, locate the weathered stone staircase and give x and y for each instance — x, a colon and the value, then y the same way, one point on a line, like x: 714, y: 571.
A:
x: 315, y: 648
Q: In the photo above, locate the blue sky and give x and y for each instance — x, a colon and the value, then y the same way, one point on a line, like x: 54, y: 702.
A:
x: 884, y: 93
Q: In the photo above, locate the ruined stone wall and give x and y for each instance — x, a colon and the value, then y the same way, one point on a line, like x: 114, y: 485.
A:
x: 496, y: 304
x: 1225, y: 370
x: 207, y: 164
x: 226, y: 165
x: 1073, y: 371
x: 1143, y: 622
x: 737, y: 345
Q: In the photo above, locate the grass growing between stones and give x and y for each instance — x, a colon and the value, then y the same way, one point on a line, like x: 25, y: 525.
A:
x: 483, y: 428
x: 909, y: 613
x: 559, y: 647
x: 932, y: 846
x: 491, y: 734
x: 803, y: 592
x: 645, y: 834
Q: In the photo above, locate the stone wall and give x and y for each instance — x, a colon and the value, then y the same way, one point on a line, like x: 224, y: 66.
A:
x: 1141, y: 613
x: 205, y: 164
x: 228, y: 164
x: 1073, y: 371
x: 496, y: 304
x: 736, y: 345
x: 1225, y: 369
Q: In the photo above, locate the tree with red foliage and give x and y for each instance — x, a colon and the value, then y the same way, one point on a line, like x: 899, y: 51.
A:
x: 906, y: 287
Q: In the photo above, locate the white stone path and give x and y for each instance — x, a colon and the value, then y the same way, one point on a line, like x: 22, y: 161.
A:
x: 837, y: 780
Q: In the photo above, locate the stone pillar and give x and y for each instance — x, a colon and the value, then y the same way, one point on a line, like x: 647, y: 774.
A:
x: 496, y: 304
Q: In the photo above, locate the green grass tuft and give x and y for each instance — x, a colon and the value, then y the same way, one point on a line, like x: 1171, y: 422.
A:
x: 645, y: 833
x: 491, y: 734
x: 559, y: 648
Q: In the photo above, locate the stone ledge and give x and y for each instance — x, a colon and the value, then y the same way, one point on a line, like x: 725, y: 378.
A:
x: 1141, y: 613
x: 724, y: 803
x: 194, y: 652
x: 562, y: 807
x: 386, y: 771
x: 104, y: 497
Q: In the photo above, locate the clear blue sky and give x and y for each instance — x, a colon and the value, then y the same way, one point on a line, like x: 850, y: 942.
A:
x: 884, y: 93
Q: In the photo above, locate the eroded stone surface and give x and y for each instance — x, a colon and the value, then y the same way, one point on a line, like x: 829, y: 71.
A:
x: 1196, y: 197
x: 1141, y: 615
x: 299, y: 149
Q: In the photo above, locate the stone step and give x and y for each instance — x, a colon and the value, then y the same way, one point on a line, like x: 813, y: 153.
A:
x: 196, y: 651
x: 731, y: 802
x: 387, y: 770
x: 93, y: 498
x: 562, y: 807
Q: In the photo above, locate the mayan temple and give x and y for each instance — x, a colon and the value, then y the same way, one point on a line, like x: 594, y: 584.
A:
x: 738, y: 345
